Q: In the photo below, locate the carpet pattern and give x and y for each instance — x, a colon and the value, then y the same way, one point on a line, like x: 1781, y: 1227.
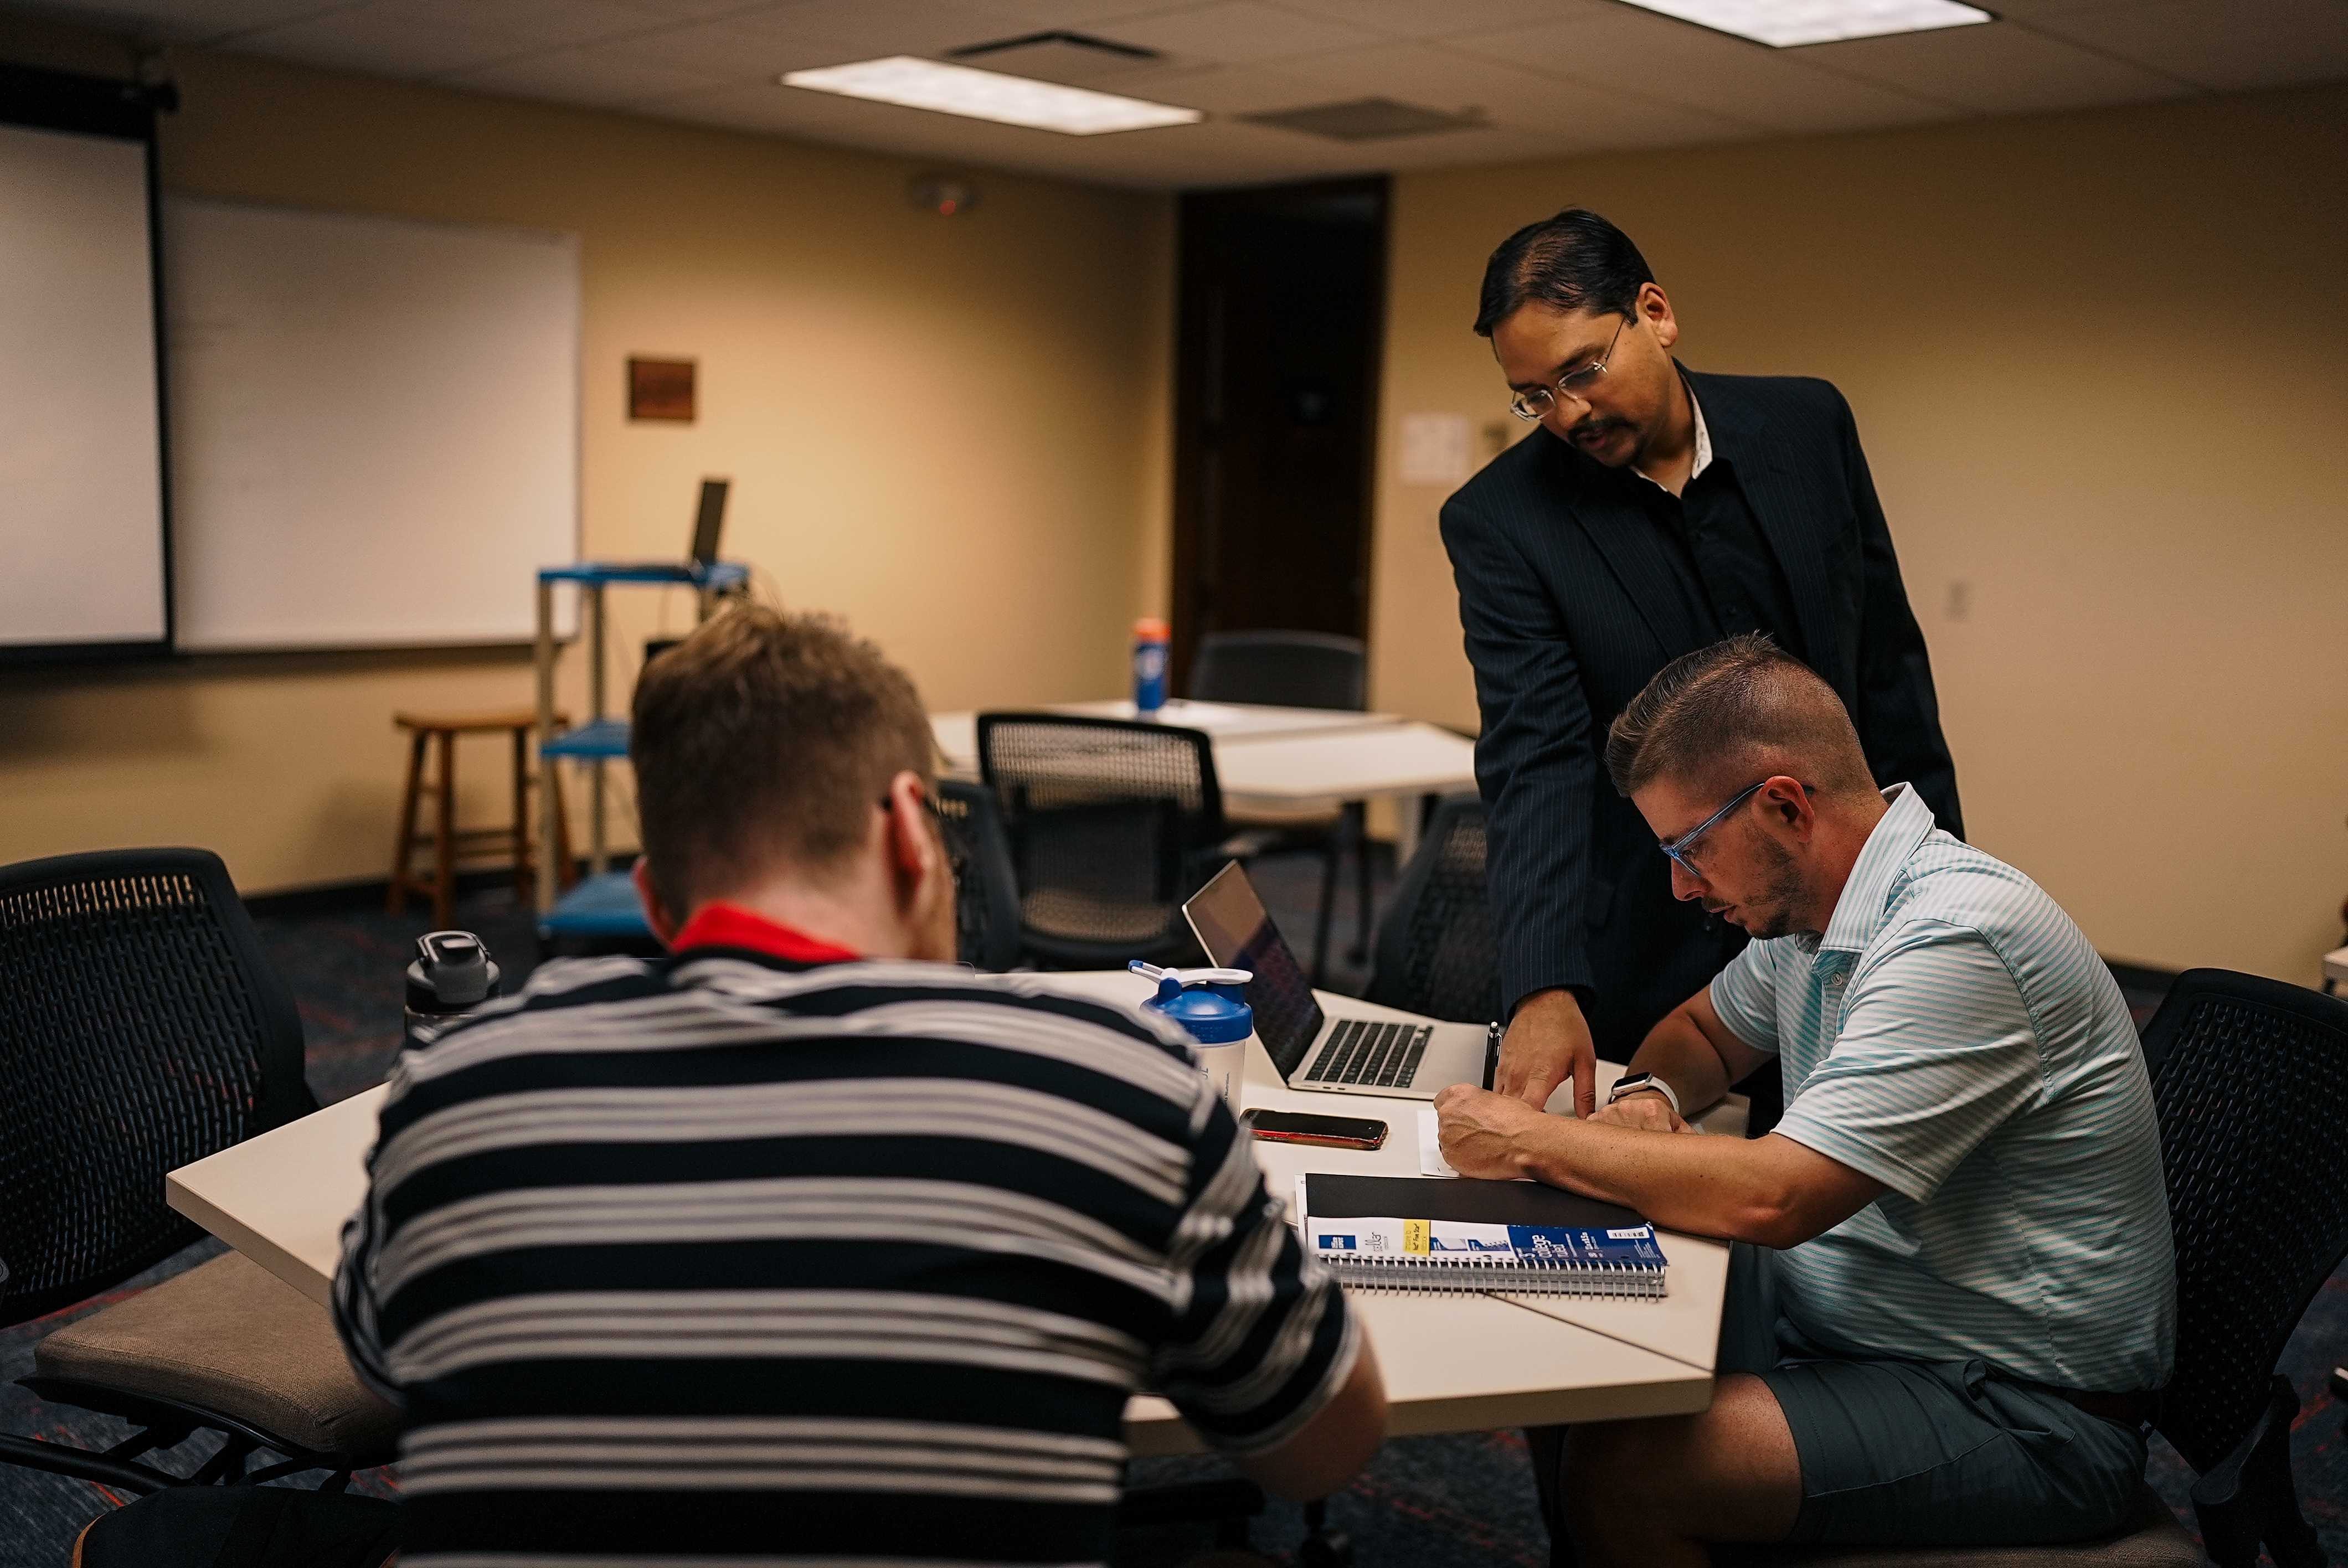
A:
x: 1449, y: 1501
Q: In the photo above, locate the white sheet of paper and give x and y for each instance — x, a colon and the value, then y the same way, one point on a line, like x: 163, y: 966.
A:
x: 1431, y: 1162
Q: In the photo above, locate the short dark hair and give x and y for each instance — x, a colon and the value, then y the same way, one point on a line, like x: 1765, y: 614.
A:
x: 1576, y: 260
x: 1741, y: 705
x: 765, y: 739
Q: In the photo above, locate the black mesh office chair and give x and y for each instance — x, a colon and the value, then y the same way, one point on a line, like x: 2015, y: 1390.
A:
x: 2250, y: 1077
x: 1111, y: 824
x: 1298, y: 670
x: 1434, y: 953
x: 1282, y: 669
x: 986, y: 892
x: 143, y: 1027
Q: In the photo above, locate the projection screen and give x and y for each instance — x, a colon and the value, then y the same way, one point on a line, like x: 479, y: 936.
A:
x: 83, y: 529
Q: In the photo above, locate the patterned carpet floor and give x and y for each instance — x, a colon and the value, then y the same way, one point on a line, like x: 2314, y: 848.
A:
x: 1464, y: 1501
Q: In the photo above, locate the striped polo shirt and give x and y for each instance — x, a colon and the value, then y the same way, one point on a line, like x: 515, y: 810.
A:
x: 1954, y: 1036
x: 760, y: 1253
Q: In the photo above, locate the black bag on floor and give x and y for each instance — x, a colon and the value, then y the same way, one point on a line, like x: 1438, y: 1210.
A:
x: 242, y: 1527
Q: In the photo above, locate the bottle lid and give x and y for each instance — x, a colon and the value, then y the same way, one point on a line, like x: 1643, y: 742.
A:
x: 452, y: 972
x: 1150, y: 626
x: 1209, y: 1006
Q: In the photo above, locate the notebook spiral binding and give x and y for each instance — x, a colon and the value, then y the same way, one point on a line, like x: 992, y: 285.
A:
x: 1468, y: 1276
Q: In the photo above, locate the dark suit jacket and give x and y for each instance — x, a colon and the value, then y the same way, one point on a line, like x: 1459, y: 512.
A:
x: 1565, y: 595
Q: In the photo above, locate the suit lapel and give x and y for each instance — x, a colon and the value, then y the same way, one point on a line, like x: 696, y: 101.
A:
x: 1740, y: 433
x: 1625, y: 537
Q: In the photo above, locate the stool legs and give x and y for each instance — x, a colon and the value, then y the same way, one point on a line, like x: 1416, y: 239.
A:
x: 403, y: 854
x: 444, y: 838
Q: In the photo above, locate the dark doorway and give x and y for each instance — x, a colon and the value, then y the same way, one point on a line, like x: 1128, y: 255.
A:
x: 1276, y: 407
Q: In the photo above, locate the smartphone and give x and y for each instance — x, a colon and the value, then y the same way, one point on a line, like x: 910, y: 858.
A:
x: 1337, y: 1132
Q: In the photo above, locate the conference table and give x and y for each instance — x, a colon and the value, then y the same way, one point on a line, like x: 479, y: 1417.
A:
x: 1452, y: 1362
x: 1284, y: 760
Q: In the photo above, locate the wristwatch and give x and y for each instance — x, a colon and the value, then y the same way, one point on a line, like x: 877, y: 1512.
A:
x: 1631, y: 1082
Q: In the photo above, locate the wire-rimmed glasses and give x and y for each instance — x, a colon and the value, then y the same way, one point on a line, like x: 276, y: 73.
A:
x: 1536, y: 401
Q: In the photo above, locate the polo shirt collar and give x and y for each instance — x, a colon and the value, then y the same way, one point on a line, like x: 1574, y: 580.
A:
x: 721, y: 925
x: 1866, y: 901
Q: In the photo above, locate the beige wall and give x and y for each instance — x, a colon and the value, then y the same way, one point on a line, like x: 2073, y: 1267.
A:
x: 952, y: 432
x: 2100, y: 363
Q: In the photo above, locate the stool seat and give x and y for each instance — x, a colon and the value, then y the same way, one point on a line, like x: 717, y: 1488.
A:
x: 449, y: 843
x: 476, y: 722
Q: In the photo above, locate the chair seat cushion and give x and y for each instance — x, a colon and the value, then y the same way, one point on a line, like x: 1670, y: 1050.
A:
x: 231, y: 1337
x: 2152, y: 1539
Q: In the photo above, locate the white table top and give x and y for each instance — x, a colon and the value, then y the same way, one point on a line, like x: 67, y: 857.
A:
x: 1452, y: 1363
x: 1281, y: 758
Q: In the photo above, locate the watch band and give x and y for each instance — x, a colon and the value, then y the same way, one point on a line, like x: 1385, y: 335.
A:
x: 1639, y: 1080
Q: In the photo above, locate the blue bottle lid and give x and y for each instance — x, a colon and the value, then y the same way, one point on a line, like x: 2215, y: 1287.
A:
x: 1209, y: 1004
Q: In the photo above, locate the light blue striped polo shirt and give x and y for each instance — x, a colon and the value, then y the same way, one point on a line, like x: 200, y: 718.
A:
x: 1954, y: 1036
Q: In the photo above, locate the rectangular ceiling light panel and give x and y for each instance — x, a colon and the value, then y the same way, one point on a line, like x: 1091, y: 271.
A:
x: 1782, y: 24
x: 990, y: 94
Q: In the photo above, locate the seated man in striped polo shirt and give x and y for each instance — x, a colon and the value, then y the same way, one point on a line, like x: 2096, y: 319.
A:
x: 799, y: 1245
x: 1960, y: 1285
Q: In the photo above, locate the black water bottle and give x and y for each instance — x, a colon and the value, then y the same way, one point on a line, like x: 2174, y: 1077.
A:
x: 451, y: 978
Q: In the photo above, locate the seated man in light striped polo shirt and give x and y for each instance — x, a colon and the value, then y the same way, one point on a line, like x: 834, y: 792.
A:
x: 799, y: 1245
x: 1959, y: 1287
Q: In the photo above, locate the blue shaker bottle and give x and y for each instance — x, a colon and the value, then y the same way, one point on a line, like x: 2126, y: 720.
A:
x: 1212, y: 1007
x: 1152, y: 645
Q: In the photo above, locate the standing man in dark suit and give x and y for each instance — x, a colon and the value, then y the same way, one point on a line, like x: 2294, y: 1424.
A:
x: 1655, y: 510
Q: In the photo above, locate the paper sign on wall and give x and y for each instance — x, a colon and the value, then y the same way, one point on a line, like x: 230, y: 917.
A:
x: 1435, y: 449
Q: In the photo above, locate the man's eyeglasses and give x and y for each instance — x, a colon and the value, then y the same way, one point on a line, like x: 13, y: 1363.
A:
x: 1536, y: 402
x: 1677, y: 848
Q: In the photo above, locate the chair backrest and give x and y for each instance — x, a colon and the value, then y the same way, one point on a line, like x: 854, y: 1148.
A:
x: 986, y: 892
x: 1281, y: 669
x: 1110, y: 823
x: 1435, y: 950
x: 2250, y: 1077
x: 142, y: 1027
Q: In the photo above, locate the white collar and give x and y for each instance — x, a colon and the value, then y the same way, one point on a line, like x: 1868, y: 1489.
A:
x: 1703, y: 445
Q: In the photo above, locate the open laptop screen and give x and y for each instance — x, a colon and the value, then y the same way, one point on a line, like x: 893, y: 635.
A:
x: 709, y: 520
x: 1237, y: 932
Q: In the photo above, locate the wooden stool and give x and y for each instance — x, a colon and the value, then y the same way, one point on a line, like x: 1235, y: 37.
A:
x: 449, y: 842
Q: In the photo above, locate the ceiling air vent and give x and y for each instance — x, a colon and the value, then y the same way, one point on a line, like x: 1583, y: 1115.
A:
x: 1057, y: 56
x: 1365, y: 120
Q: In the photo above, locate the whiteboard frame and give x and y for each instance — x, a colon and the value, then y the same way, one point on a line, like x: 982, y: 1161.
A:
x: 572, y: 414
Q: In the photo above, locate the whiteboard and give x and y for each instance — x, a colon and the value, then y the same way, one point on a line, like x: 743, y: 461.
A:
x: 81, y: 475
x: 374, y: 426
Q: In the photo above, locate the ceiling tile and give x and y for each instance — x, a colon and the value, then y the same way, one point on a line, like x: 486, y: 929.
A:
x: 1076, y: 16
x: 598, y: 75
x: 1239, y: 33
x: 380, y: 41
x: 1225, y: 89
x: 190, y: 20
x: 1421, y: 19
x: 745, y: 48
x: 1999, y: 69
x: 1590, y: 115
x: 545, y: 24
x: 2224, y: 47
x: 866, y: 30
x: 1638, y: 54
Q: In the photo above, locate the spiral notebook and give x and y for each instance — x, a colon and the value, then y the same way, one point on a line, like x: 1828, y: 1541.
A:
x: 1408, y: 1233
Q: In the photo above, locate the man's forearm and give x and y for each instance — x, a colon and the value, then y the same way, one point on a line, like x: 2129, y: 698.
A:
x: 1676, y: 1052
x: 1712, y: 1186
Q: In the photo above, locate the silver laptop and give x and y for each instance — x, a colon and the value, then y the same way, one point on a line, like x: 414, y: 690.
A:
x: 1341, y: 1051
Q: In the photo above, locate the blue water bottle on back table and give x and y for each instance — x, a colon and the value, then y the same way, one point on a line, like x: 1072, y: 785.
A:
x: 1152, y: 645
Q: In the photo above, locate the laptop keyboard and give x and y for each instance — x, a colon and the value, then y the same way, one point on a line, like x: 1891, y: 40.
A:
x: 1384, y: 1055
